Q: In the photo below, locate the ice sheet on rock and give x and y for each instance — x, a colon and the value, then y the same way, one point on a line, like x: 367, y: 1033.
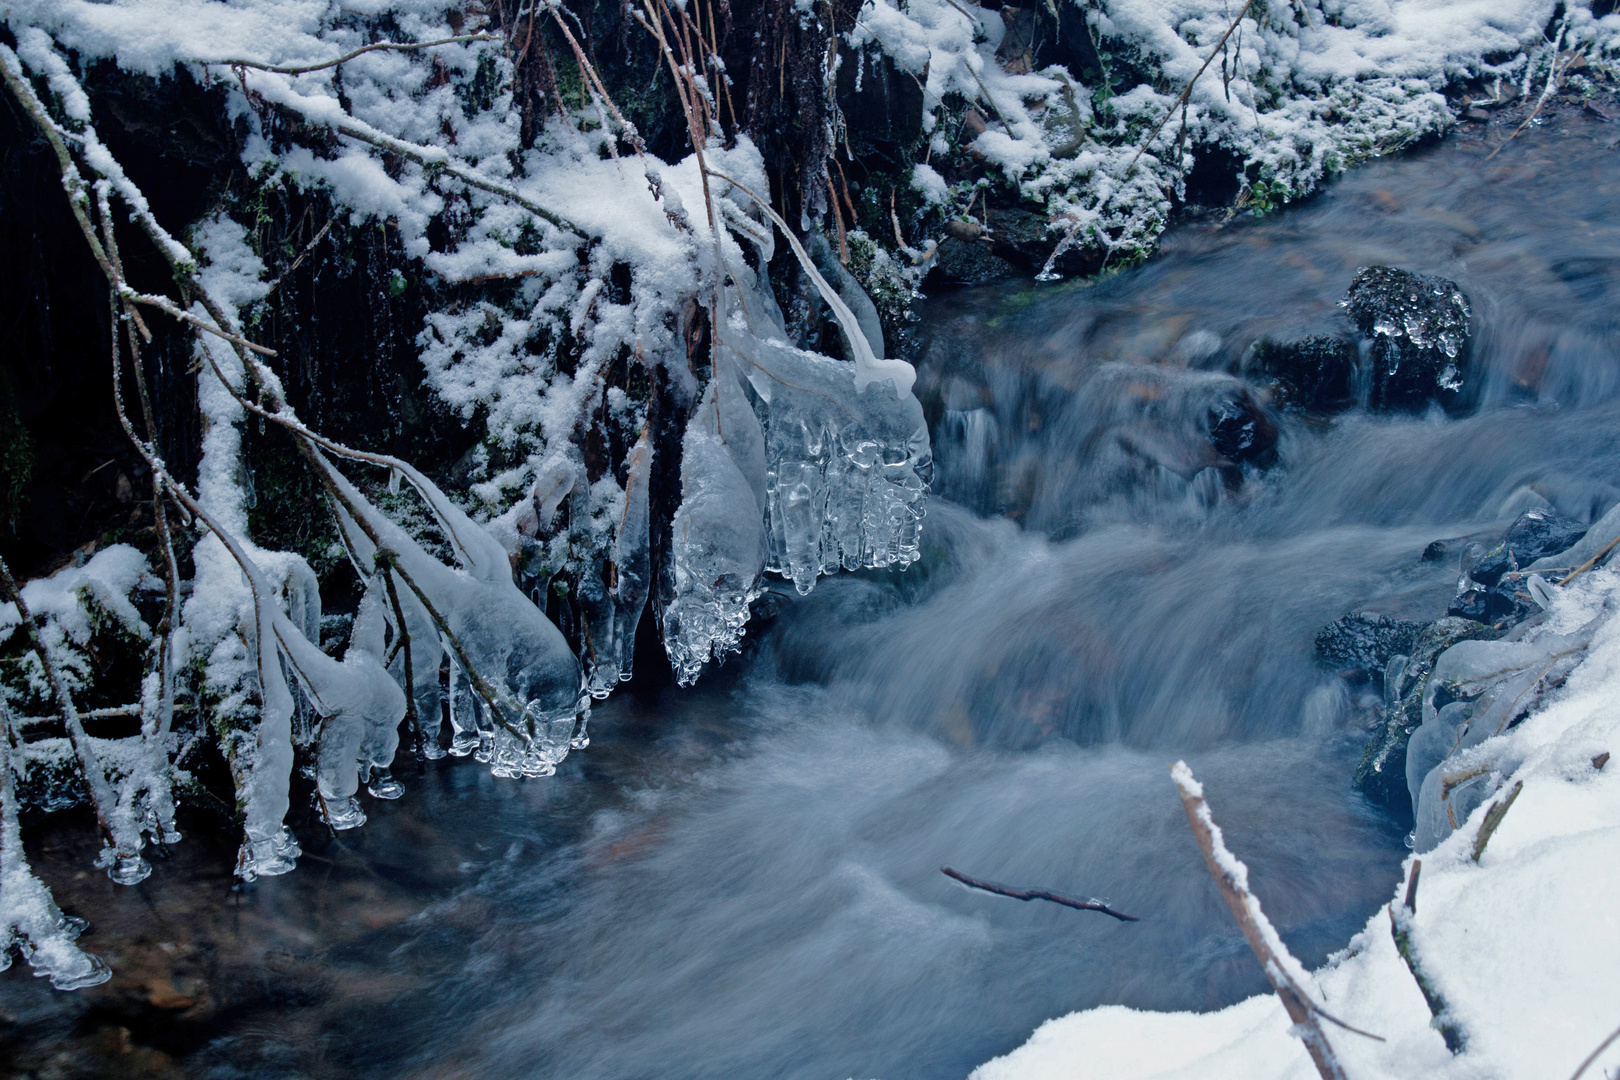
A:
x: 1492, y: 684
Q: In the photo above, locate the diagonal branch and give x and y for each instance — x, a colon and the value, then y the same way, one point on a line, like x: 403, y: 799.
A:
x: 393, y: 46
x: 1232, y: 880
x: 1088, y: 904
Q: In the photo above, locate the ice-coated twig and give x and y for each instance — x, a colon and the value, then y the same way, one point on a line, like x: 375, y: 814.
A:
x: 126, y: 867
x: 1088, y: 904
x: 868, y: 367
x: 30, y: 921
x: 1285, y: 973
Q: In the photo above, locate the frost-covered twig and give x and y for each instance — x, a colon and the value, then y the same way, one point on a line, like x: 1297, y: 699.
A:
x: 1493, y: 818
x: 1546, y: 91
x: 1286, y: 975
x: 392, y: 46
x: 164, y: 304
x: 1179, y: 103
x: 1089, y: 904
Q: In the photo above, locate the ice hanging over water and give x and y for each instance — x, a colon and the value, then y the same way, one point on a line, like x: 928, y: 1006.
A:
x: 795, y: 463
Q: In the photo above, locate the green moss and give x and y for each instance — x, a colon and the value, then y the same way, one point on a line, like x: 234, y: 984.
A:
x: 17, y: 461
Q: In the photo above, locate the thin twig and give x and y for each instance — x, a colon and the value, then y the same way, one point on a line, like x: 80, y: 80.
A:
x: 1089, y: 904
x: 1180, y: 102
x: 1593, y: 1056
x: 1589, y: 563
x: 1493, y: 818
x: 1546, y: 91
x: 164, y: 304
x: 394, y: 46
x: 302, y: 255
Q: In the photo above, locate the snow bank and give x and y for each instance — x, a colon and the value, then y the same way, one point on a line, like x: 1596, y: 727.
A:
x: 1523, y: 946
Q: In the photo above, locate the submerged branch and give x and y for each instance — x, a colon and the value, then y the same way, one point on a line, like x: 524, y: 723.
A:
x: 1089, y: 904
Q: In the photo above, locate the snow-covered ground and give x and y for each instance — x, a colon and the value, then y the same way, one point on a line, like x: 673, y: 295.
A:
x: 1524, y: 945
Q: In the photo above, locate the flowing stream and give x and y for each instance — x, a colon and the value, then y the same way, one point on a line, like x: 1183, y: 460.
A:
x: 742, y: 881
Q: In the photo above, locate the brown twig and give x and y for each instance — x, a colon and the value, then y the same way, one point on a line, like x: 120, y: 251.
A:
x: 1493, y: 818
x: 1589, y: 563
x: 1593, y: 1056
x: 302, y: 255
x: 1231, y: 879
x: 1400, y: 927
x: 1089, y: 904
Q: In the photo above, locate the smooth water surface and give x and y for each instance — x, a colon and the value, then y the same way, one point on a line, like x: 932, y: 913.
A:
x: 743, y: 881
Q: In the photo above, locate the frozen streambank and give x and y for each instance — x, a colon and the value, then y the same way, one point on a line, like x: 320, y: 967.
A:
x: 1522, y: 945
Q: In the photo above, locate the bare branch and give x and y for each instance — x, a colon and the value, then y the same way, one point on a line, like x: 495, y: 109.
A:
x: 394, y: 46
x: 1089, y: 904
x: 1593, y: 1056
x: 1493, y: 818
x: 1231, y: 879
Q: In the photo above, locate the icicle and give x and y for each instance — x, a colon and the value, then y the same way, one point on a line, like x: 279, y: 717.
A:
x: 632, y: 558
x: 719, y: 544
x: 505, y: 649
x: 30, y: 921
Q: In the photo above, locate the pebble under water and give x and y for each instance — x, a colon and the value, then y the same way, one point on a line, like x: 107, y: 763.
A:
x: 742, y: 881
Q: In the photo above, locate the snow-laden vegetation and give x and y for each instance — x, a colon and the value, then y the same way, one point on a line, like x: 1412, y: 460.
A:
x: 604, y: 316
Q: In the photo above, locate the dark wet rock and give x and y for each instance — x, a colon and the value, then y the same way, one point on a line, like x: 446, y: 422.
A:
x: 1316, y: 372
x: 1241, y: 432
x: 878, y: 100
x: 1381, y: 774
x: 1417, y: 327
x: 1022, y: 238
x: 968, y: 262
x: 1497, y: 592
x: 1535, y: 535
x: 1365, y: 640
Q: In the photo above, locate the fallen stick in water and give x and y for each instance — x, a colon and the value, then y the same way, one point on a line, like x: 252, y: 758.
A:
x: 1089, y: 904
